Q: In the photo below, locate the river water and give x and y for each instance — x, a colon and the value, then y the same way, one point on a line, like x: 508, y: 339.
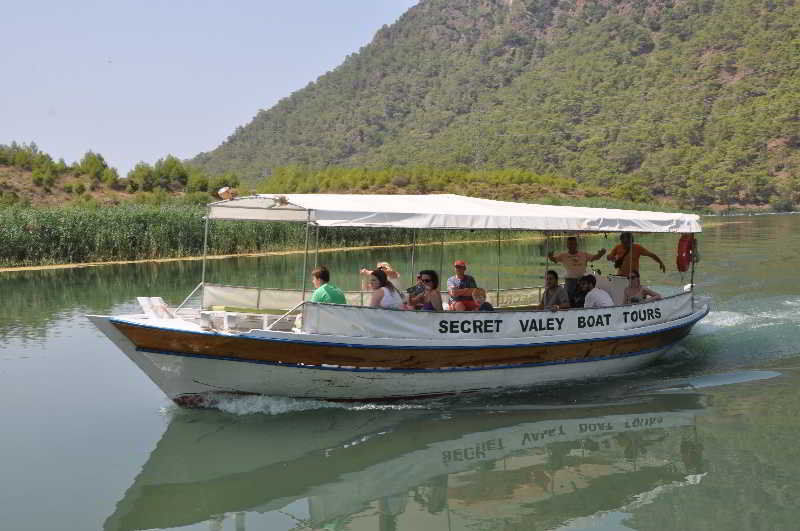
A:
x: 706, y: 438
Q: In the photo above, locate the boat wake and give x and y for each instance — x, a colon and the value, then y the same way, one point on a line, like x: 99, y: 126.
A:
x: 721, y: 319
x: 278, y: 405
x: 268, y: 405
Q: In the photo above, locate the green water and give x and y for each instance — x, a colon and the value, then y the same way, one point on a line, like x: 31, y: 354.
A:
x: 704, y: 439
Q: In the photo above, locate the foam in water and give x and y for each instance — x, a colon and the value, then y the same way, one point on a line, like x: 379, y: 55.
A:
x: 278, y: 405
x: 269, y: 405
x: 721, y: 319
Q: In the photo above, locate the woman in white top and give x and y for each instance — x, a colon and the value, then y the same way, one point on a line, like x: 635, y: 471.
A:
x: 384, y: 294
x: 393, y: 276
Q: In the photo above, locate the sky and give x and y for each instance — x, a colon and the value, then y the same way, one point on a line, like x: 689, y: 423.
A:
x: 137, y: 80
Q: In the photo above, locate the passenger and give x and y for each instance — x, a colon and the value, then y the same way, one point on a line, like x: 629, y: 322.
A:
x: 636, y: 293
x: 325, y: 291
x: 479, y: 296
x: 386, y: 267
x: 595, y: 297
x: 414, y: 295
x: 574, y: 261
x: 580, y: 294
x: 384, y: 294
x: 625, y: 255
x: 459, y: 288
x: 431, y: 299
x: 554, y: 297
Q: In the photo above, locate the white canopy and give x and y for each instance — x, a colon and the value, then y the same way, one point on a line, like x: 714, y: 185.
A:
x: 445, y: 211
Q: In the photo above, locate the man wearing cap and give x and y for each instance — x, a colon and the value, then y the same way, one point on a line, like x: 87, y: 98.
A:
x: 460, y: 287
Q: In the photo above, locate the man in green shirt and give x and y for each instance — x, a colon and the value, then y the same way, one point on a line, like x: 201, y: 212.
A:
x: 325, y: 291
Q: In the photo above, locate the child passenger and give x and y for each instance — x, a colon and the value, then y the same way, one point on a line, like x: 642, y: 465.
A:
x: 479, y: 296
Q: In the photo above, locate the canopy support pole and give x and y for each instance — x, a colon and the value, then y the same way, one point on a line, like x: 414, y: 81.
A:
x: 412, y: 280
x: 543, y: 289
x: 316, y: 247
x: 497, y: 300
x: 305, y: 259
x: 205, y: 252
x: 691, y: 279
x: 441, y: 257
x: 189, y: 296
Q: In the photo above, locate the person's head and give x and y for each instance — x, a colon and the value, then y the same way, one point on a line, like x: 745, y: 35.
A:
x: 320, y: 276
x: 551, y: 279
x: 460, y: 267
x: 626, y: 238
x: 377, y: 279
x: 587, y: 283
x: 429, y: 279
x: 572, y: 244
x: 479, y: 295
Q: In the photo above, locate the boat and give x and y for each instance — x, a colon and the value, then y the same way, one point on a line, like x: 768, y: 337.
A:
x: 515, y: 460
x: 249, y: 340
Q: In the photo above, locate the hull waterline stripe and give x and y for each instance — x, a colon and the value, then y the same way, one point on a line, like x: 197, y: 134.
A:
x: 414, y: 347
x: 399, y: 371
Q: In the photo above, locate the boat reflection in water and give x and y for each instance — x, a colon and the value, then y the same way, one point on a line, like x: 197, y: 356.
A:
x: 519, y: 467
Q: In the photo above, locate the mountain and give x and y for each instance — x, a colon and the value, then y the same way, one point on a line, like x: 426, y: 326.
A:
x: 693, y: 99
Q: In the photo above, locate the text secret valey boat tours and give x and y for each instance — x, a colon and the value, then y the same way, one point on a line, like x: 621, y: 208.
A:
x: 354, y: 352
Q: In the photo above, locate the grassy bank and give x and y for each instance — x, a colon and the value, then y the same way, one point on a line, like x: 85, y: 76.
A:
x: 48, y: 236
x: 66, y: 235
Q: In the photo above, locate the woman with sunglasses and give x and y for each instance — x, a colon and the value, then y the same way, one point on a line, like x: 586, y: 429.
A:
x: 431, y: 299
x: 636, y: 293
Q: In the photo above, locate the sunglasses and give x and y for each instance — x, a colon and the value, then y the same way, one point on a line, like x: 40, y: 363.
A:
x: 426, y: 280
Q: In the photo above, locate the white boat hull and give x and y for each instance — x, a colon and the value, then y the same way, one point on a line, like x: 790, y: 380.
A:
x: 190, y: 379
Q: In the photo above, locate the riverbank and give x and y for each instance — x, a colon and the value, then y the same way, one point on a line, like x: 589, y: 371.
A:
x: 130, y: 233
x: 250, y: 255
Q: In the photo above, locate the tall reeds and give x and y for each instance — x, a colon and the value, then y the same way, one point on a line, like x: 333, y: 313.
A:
x: 43, y: 236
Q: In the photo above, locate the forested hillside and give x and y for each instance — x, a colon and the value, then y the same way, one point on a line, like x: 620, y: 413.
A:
x: 698, y: 100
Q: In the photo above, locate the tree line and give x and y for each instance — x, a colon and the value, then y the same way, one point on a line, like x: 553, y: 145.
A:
x: 168, y: 175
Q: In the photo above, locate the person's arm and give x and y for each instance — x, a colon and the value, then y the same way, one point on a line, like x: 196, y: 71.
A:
x: 654, y: 256
x: 375, y: 300
x: 316, y: 296
x: 563, y: 301
x: 416, y: 299
x: 461, y: 292
x: 436, y: 301
x: 552, y: 257
x: 597, y: 255
x: 613, y: 254
x: 650, y: 293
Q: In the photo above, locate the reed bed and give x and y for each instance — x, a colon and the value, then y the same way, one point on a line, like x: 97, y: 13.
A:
x: 32, y: 236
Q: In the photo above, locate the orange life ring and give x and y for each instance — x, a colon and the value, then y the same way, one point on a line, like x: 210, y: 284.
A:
x: 685, y: 252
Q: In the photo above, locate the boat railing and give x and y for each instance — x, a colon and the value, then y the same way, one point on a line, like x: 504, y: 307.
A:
x: 279, y: 299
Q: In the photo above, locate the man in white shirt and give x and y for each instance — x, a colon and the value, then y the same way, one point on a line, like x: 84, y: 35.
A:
x: 574, y: 262
x: 595, y: 297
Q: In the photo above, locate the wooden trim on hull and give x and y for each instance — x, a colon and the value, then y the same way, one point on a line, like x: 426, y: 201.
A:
x: 274, y: 351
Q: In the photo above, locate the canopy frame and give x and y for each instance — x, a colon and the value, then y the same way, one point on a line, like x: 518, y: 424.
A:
x: 445, y: 212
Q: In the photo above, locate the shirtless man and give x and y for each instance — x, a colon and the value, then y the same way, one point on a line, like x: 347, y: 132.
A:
x: 626, y: 255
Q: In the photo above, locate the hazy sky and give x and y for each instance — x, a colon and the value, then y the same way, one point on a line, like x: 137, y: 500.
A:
x: 136, y: 80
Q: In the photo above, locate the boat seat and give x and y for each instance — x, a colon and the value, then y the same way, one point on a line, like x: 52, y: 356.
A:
x: 155, y: 308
